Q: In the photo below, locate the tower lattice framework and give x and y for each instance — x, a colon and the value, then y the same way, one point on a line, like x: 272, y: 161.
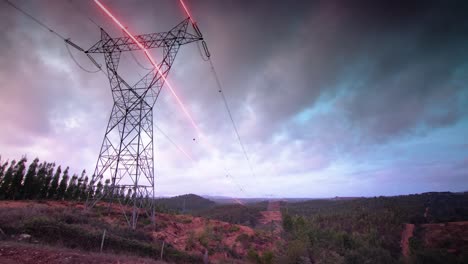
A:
x: 126, y: 157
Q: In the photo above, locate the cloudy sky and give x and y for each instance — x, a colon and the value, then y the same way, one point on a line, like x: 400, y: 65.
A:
x: 331, y: 98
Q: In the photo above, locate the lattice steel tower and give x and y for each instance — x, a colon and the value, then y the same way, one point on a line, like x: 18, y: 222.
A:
x: 126, y: 157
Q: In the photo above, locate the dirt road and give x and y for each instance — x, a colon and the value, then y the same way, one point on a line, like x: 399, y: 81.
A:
x: 272, y: 216
x: 405, y: 237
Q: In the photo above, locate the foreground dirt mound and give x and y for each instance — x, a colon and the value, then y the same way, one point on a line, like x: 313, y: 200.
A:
x: 220, y: 239
x: 15, y: 253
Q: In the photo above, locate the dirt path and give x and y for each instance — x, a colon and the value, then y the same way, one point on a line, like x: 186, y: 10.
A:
x: 18, y: 253
x: 272, y: 216
x: 405, y: 237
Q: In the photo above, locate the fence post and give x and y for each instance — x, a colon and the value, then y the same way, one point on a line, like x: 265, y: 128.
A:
x: 102, y: 241
x: 162, y: 250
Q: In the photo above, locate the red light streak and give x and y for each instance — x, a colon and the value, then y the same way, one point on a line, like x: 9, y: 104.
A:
x: 148, y: 55
x: 186, y: 11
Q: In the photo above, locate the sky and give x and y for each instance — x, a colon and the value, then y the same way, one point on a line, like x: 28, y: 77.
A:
x: 331, y: 98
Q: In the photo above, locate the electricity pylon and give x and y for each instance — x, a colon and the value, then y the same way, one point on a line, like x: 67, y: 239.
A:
x: 126, y: 158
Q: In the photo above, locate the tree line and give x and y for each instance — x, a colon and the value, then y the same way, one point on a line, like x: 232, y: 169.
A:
x: 46, y: 181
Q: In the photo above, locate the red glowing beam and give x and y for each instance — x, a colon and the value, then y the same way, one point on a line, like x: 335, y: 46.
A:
x: 186, y: 11
x: 148, y: 55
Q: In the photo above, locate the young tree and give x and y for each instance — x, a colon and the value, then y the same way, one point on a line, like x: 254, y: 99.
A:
x: 63, y: 185
x: 29, y: 180
x: 7, y: 179
x: 16, y: 184
x: 51, y: 194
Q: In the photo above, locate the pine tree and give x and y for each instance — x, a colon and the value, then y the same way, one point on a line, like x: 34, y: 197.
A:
x: 47, y: 181
x: 106, y: 189
x: 71, y: 187
x: 128, y: 196
x: 2, y: 171
x: 7, y: 179
x: 29, y: 180
x: 63, y: 185
x: 51, y: 194
x: 122, y: 193
x: 15, y: 189
x: 40, y: 180
x: 84, y: 190
x: 98, y: 192
x: 78, y: 189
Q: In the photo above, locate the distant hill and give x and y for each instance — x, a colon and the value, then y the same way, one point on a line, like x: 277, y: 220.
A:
x: 236, y: 200
x: 184, y: 203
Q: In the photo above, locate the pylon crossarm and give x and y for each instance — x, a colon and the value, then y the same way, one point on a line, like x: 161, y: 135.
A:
x: 149, y: 41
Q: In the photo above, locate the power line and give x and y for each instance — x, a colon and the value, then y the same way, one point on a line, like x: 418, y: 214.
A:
x: 83, y: 13
x: 220, y: 90
x: 173, y: 143
x: 67, y: 41
x: 76, y: 62
x: 35, y: 19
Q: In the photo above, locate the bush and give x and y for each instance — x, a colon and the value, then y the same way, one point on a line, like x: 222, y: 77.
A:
x: 244, y: 239
x: 253, y: 256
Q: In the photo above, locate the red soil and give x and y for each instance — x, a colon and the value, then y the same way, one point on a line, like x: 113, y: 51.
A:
x: 195, y: 234
x: 15, y: 253
x: 272, y: 217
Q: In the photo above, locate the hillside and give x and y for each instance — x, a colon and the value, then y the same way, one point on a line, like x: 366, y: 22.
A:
x: 64, y: 225
x: 367, y: 229
x: 183, y: 203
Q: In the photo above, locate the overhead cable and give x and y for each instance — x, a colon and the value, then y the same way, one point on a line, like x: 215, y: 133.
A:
x: 34, y: 19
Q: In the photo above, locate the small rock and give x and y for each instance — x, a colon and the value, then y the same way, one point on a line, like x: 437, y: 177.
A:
x: 24, y: 237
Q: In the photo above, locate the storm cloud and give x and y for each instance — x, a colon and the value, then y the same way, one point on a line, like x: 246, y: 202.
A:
x: 330, y: 97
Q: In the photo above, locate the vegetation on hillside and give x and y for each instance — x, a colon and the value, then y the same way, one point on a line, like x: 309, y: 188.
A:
x: 235, y: 213
x: 77, y: 229
x: 46, y: 181
x: 41, y: 181
x: 183, y: 203
x: 364, y: 230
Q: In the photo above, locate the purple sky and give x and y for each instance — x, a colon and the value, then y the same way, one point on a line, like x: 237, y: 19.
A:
x: 331, y: 98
